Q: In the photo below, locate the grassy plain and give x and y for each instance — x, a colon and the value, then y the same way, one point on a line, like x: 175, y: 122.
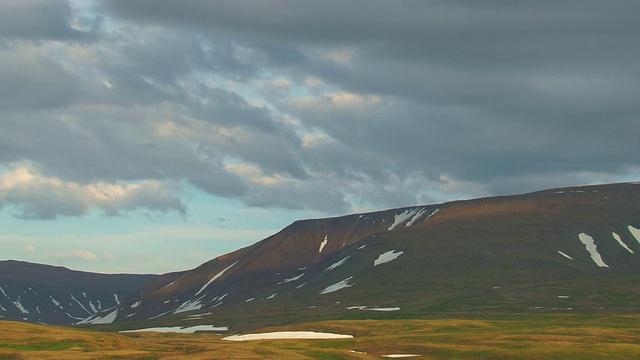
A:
x: 499, y: 337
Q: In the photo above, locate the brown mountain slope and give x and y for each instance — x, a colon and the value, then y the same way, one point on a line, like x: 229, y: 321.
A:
x: 493, y: 254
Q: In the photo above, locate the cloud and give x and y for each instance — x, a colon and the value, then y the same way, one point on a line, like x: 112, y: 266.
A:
x: 34, y: 196
x: 40, y: 20
x: 71, y: 255
x: 329, y: 106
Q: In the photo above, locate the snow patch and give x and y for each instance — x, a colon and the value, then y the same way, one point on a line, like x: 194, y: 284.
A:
x: 272, y: 296
x: 619, y: 240
x: 565, y: 255
x: 399, y: 219
x: 287, y: 335
x: 18, y: 304
x: 82, y: 306
x: 4, y: 293
x: 249, y: 299
x: 183, y: 330
x: 335, y: 265
x: 397, y: 356
x: 386, y: 257
x: 591, y: 247
x: 291, y: 279
x: 115, y: 296
x: 337, y: 286
x: 107, y: 319
x: 415, y: 217
x: 190, y: 305
x: 635, y: 232
x: 362, y: 247
x: 55, y: 302
x: 136, y: 304
x: 323, y: 243
x: 563, y: 296
x: 375, y: 308
x: 93, y: 307
x: 217, y: 276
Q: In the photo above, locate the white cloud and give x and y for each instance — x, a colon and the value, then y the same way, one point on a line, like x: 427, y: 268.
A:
x: 37, y: 196
x: 71, y: 255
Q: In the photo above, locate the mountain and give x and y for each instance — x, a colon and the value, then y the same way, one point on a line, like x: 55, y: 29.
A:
x: 572, y: 249
x: 56, y: 295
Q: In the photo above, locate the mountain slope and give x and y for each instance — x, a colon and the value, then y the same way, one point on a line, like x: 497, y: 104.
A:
x: 56, y: 295
x: 511, y: 253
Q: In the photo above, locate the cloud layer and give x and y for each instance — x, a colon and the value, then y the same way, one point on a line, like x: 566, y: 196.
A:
x: 327, y: 106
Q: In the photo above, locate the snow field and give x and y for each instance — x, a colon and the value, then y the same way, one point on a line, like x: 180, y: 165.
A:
x: 287, y: 335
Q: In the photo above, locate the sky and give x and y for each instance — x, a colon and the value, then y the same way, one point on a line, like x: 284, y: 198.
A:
x: 150, y: 136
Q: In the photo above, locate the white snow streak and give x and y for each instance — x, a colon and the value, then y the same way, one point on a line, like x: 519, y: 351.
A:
x: 565, y: 255
x: 291, y: 279
x: 55, y: 302
x: 368, y: 308
x: 18, y: 304
x: 337, y: 286
x: 335, y: 265
x: 95, y: 310
x: 4, y: 293
x: 592, y: 249
x: 402, y: 217
x: 386, y: 257
x: 183, y: 330
x: 416, y: 217
x: 635, y: 232
x: 323, y: 243
x: 619, y: 240
x: 136, y: 304
x: 397, y: 356
x: 107, y: 319
x: 218, y: 275
x: 115, y: 296
x: 82, y: 306
x: 287, y: 335
x: 190, y: 305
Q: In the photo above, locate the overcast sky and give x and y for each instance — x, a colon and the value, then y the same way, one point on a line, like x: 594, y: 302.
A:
x: 153, y: 135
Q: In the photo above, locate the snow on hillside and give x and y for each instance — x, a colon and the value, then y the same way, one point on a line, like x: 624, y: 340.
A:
x: 591, y: 247
x: 386, y: 257
x: 337, y: 286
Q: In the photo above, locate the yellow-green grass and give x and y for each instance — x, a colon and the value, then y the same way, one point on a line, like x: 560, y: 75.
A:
x: 504, y: 337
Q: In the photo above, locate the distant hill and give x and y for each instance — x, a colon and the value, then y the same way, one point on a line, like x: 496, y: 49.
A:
x: 572, y: 249
x: 56, y: 295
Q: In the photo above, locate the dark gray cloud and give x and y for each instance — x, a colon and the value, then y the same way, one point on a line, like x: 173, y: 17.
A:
x: 43, y: 20
x: 324, y: 105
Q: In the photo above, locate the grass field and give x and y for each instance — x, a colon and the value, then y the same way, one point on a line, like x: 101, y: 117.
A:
x: 503, y: 337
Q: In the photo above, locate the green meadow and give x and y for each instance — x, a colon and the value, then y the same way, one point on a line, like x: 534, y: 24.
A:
x: 500, y: 337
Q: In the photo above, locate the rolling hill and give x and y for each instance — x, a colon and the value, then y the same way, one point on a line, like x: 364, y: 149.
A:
x: 47, y: 294
x: 562, y: 250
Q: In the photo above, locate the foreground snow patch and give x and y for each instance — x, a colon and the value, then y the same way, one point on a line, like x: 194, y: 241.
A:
x: 178, y: 329
x: 592, y: 249
x: 393, y: 356
x: 386, y: 257
x: 375, y: 308
x: 287, y: 335
x: 337, y: 286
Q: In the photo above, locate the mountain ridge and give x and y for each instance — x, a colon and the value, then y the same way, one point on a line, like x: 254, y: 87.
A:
x: 415, y: 258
